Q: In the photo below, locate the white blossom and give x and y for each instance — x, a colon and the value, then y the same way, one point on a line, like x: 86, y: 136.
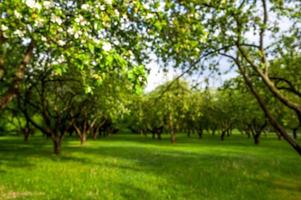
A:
x: 61, y: 42
x: 17, y: 14
x: 44, y: 39
x: 106, y: 46
x: 33, y: 4
x: 109, y: 2
x: 97, y: 16
x: 4, y: 28
x: 19, y: 33
x: 149, y: 15
x: 85, y: 7
x: 102, y: 7
x: 117, y: 13
x: 80, y: 20
x: 61, y: 59
x: 70, y: 31
x: 78, y: 34
x: 48, y: 4
x: 56, y: 19
x: 60, y: 30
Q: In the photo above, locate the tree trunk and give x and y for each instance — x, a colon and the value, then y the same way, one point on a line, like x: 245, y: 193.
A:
x: 95, y: 131
x: 256, y: 138
x: 213, y: 132
x: 200, y: 133
x: 172, y: 137
x: 57, y: 146
x: 295, y: 133
x: 248, y: 133
x: 153, y: 136
x: 159, y: 136
x: 10, y: 94
x: 223, y: 135
x: 188, y: 133
x: 278, y: 135
x: 172, y: 130
x: 26, y: 132
x: 83, y: 138
x: 228, y: 132
x: 26, y: 136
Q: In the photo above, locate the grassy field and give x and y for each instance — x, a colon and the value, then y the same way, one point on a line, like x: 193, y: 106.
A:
x: 135, y: 167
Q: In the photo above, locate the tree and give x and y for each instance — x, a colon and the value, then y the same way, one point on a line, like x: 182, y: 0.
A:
x: 171, y: 104
x: 91, y: 34
x: 192, y: 34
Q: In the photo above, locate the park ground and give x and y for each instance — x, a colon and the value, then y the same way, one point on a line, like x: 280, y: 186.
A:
x: 136, y: 167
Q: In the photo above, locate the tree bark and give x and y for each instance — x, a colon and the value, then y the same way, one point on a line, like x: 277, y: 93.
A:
x: 83, y: 138
x: 172, y: 137
x: 200, y: 133
x: 57, y: 146
x: 188, y: 133
x: 95, y: 131
x: 223, y: 135
x: 26, y: 131
x: 159, y: 136
x: 213, y: 132
x: 295, y: 133
x: 26, y: 135
x: 256, y: 138
x: 9, y: 95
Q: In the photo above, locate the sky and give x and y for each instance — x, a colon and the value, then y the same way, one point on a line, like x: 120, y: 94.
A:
x: 157, y: 77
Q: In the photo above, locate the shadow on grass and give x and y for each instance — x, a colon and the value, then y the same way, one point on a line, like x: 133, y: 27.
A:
x: 214, y: 171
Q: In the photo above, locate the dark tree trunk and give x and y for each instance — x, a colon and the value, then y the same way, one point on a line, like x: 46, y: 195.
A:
x: 188, y: 133
x: 256, y: 138
x: 26, y: 132
x: 223, y: 135
x: 248, y: 133
x: 159, y: 136
x: 213, y: 132
x: 57, y: 146
x: 200, y: 133
x: 278, y: 135
x: 153, y: 136
x: 26, y: 135
x: 95, y: 131
x: 295, y: 133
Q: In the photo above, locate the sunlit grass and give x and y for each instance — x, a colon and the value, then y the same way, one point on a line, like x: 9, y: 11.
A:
x: 136, y: 167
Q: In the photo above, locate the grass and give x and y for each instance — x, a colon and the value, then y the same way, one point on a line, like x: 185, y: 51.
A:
x: 135, y: 167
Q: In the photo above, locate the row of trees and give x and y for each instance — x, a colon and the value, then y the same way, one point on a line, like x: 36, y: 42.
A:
x: 55, y: 54
x: 250, y: 35
x: 174, y: 108
x: 66, y: 65
x: 57, y: 105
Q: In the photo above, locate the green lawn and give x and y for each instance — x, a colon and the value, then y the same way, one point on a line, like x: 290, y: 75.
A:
x: 135, y: 167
